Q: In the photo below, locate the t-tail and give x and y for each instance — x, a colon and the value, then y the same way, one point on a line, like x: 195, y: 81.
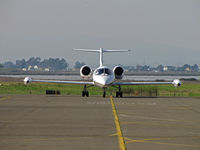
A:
x: 101, y: 51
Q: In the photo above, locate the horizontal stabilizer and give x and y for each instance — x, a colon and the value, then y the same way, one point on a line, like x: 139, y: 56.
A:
x: 101, y: 51
x: 87, y: 50
x: 107, y: 50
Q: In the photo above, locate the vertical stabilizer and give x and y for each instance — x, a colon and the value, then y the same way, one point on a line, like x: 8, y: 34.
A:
x: 101, y: 56
x: 101, y: 51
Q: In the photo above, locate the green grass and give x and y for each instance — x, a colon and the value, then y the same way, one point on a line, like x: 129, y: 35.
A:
x: 187, y: 89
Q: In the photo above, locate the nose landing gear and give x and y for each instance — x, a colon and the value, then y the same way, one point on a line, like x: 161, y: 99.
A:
x: 119, y: 93
x: 104, y: 92
x: 86, y: 93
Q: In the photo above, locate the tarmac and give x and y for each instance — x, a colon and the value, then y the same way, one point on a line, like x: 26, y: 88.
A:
x: 41, y: 122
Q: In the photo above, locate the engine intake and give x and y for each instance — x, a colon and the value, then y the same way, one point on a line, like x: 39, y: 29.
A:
x: 119, y: 72
x: 85, y: 71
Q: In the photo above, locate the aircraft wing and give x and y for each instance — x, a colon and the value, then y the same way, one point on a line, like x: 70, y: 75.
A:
x: 175, y: 83
x: 28, y: 80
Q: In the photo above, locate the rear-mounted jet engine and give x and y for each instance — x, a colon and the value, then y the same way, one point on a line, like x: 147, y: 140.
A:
x: 119, y: 72
x: 85, y: 72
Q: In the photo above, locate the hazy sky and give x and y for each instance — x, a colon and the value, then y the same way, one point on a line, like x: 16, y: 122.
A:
x: 158, y: 31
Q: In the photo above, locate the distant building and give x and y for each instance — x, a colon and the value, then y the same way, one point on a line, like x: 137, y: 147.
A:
x: 187, y: 69
x: 165, y: 68
x: 35, y: 67
x: 30, y: 67
x: 24, y: 69
x: 47, y: 69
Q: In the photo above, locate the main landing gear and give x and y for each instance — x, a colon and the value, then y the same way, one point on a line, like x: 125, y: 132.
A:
x: 119, y: 93
x: 85, y: 92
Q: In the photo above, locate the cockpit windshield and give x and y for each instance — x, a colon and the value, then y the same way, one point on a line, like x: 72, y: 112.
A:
x: 99, y: 71
x: 108, y: 71
x: 103, y: 71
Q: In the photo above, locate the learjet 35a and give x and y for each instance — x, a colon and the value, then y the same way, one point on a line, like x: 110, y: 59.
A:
x: 103, y: 76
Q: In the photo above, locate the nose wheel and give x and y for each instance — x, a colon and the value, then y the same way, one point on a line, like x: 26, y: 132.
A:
x: 119, y: 93
x: 85, y: 93
x: 104, y: 93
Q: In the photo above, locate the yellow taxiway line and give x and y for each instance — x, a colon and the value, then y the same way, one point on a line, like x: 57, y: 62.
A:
x: 118, y: 128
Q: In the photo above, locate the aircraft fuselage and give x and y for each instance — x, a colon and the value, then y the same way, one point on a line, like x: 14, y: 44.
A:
x: 103, y: 76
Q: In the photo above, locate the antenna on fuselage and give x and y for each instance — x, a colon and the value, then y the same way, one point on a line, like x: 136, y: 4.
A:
x: 101, y: 51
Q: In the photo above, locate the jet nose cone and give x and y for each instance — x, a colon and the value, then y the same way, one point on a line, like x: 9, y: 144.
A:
x: 106, y: 82
x: 103, y: 82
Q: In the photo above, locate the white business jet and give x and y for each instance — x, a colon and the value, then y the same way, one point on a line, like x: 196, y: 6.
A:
x: 103, y: 76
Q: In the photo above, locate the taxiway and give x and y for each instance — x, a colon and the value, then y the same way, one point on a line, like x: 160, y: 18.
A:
x: 72, y: 122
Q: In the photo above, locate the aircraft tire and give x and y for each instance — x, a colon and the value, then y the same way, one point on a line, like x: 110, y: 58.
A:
x: 87, y: 93
x: 104, y: 94
x: 83, y: 93
x: 117, y: 94
x: 121, y: 94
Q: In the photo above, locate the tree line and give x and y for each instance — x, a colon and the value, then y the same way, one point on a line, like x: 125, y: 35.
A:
x: 53, y: 64
x: 57, y: 64
x: 161, y: 68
